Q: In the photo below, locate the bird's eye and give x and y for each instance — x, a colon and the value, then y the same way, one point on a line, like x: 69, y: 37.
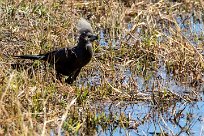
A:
x: 84, y: 33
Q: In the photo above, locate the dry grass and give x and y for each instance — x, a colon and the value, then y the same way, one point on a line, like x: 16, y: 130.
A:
x: 39, y: 104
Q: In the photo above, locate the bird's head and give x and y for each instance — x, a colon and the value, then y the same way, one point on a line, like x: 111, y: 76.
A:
x: 86, y: 31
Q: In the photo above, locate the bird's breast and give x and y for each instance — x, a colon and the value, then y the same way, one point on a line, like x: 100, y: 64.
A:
x: 85, y: 55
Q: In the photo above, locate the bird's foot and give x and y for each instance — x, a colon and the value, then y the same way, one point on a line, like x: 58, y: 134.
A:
x: 69, y: 80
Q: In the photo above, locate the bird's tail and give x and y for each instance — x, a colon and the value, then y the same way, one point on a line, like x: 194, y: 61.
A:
x: 32, y: 57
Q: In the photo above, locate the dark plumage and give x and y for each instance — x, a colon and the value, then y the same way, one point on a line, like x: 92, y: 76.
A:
x: 69, y: 61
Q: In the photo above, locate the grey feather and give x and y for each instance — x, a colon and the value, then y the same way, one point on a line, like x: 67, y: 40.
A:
x: 83, y: 26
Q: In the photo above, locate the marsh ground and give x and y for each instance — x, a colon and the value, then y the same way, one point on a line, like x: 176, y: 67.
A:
x: 146, y: 77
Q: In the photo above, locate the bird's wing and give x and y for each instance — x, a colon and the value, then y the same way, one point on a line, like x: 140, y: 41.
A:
x: 61, y: 56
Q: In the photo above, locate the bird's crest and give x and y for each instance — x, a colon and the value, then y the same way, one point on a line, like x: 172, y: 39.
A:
x: 83, y: 26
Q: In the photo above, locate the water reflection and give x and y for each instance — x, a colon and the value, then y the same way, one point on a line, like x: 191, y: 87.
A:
x: 172, y: 117
x: 182, y: 117
x: 179, y: 119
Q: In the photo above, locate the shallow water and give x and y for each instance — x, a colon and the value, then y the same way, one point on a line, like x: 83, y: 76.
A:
x: 181, y: 118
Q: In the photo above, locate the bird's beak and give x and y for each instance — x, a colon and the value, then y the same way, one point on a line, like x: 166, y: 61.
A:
x: 93, y: 38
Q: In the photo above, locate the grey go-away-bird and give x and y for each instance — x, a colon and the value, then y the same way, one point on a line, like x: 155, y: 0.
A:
x: 69, y: 61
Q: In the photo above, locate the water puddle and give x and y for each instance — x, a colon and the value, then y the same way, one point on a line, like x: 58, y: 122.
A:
x: 181, y: 117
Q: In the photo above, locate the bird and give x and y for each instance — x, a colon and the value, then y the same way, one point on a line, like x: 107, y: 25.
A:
x: 69, y: 61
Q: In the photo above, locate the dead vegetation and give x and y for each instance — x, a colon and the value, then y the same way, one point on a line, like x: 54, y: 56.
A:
x: 136, y: 41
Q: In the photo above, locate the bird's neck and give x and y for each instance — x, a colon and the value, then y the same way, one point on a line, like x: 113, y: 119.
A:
x: 85, y: 52
x: 85, y: 46
x: 83, y: 43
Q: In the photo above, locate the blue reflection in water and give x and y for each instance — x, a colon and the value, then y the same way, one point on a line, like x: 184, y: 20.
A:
x: 179, y: 116
x: 102, y: 41
x: 191, y: 117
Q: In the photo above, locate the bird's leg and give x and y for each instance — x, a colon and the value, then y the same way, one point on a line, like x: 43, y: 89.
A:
x: 76, y: 74
x: 59, y: 77
x: 73, y: 76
